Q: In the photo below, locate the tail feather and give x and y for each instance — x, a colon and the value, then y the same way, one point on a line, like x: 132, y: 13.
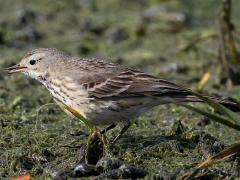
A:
x: 228, y: 102
x: 188, y: 96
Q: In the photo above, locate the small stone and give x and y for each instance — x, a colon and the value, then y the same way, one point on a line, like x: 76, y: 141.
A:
x: 60, y: 175
x: 130, y: 171
x: 25, y: 16
x: 109, y: 163
x: 117, y: 34
x: 204, y: 121
x: 85, y: 170
x: 178, y: 68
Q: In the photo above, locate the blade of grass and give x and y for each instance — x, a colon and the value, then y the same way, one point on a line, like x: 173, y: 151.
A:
x: 205, y: 78
x: 214, y: 117
x: 220, y: 108
x: 76, y: 113
x: 221, y: 156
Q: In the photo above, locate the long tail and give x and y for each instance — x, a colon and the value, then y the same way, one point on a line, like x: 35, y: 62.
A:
x: 186, y: 95
x: 172, y: 93
x: 228, y: 102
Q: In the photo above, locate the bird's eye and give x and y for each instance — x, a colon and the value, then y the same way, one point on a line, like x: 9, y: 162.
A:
x: 32, y: 62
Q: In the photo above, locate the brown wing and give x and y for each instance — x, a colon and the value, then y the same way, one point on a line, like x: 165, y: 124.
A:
x: 150, y: 85
x: 103, y: 79
x: 134, y: 83
x: 113, y: 86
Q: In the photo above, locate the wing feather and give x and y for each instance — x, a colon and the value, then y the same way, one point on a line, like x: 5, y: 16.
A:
x: 112, y: 86
x: 135, y: 83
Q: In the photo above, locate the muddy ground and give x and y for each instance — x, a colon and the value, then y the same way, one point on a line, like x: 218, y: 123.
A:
x: 175, y: 40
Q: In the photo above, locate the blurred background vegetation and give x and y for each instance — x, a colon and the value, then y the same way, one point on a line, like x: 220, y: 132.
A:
x: 177, y: 40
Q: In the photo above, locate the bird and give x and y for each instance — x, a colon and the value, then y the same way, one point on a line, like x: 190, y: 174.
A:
x: 104, y: 94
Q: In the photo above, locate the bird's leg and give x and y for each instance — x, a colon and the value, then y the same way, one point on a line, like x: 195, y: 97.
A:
x: 123, y: 130
x: 108, y: 128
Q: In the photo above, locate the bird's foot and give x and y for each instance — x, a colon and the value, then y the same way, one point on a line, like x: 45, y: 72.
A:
x: 122, y: 131
x: 108, y: 128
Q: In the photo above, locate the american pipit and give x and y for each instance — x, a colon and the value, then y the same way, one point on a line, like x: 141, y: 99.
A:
x: 102, y: 93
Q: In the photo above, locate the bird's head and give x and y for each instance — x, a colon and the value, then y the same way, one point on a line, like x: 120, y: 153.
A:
x: 36, y: 62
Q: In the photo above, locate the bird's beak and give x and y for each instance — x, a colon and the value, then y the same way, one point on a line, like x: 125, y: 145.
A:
x: 15, y: 69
